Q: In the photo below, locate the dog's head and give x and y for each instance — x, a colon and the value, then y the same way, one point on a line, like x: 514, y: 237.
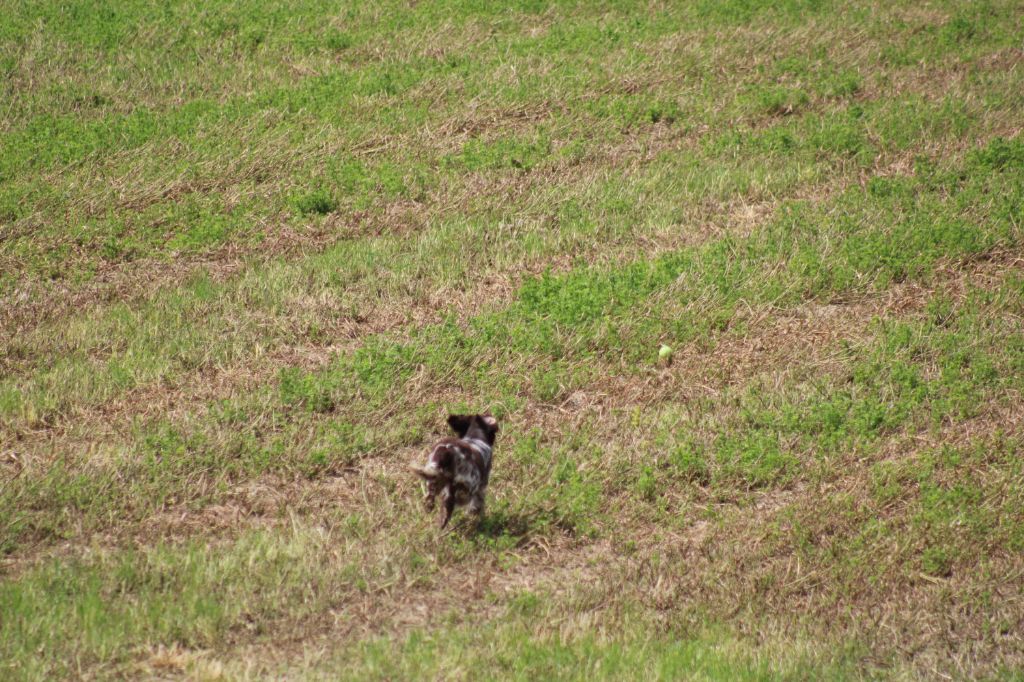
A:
x: 481, y: 426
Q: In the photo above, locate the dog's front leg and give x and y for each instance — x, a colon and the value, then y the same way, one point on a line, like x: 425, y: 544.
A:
x: 448, y: 500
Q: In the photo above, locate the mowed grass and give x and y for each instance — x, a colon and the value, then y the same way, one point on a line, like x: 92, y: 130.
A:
x: 251, y: 254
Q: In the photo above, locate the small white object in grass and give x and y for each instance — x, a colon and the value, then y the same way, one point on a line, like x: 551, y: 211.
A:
x: 665, y: 352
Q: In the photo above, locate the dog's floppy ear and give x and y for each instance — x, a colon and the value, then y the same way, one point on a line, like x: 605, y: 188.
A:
x: 490, y: 422
x: 460, y: 423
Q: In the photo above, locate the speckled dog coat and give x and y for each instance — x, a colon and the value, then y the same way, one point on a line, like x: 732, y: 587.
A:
x: 458, y: 469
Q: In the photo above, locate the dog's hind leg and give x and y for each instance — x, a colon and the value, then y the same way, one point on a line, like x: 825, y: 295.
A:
x: 448, y: 500
x: 434, y: 486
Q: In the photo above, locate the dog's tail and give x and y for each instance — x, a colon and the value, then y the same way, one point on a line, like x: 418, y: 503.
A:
x: 428, y: 472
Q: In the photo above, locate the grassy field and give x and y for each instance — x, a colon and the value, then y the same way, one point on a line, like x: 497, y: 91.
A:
x: 252, y: 253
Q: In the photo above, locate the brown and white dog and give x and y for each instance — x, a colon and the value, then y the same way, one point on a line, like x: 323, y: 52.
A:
x: 457, y: 469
